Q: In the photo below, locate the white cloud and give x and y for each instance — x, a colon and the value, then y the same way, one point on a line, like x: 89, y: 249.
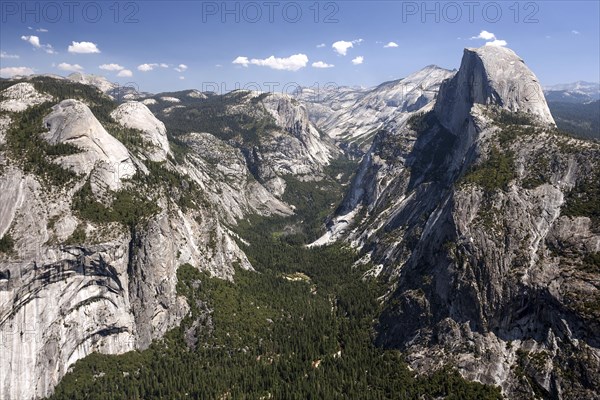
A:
x: 574, y: 32
x: 497, y: 42
x: 485, y: 35
x: 320, y: 46
x: 83, y: 48
x: 341, y: 46
x: 125, y: 73
x: 3, y: 54
x: 70, y: 67
x: 358, y: 60
x: 291, y: 63
x: 111, y: 67
x: 41, y: 30
x: 146, y: 67
x: 321, y: 64
x: 241, y: 61
x: 151, y: 66
x: 181, y: 68
x: 33, y: 40
x: 9, y: 72
x: 218, y: 65
x: 391, y: 44
x: 182, y: 77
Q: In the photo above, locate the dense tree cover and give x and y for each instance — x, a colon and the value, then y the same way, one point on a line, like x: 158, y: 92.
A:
x: 580, y: 120
x: 591, y: 263
x: 584, y: 199
x: 422, y: 121
x: 127, y: 206
x: 314, y: 202
x: 6, y: 243
x: 496, y: 172
x: 31, y: 152
x: 216, y: 115
x: 298, y: 328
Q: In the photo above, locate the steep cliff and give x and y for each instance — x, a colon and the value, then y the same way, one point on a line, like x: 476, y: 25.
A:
x: 353, y: 116
x: 99, y: 209
x: 484, y: 220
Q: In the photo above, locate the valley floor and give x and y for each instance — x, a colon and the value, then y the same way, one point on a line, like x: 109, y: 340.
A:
x: 300, y: 327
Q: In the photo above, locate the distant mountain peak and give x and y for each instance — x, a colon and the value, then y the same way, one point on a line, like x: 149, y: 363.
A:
x: 491, y: 75
x: 94, y: 80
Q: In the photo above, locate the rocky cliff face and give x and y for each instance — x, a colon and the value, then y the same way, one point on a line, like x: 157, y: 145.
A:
x: 100, y: 154
x: 135, y: 115
x: 272, y: 131
x: 354, y: 116
x: 491, y: 75
x: 91, y: 242
x: 481, y: 217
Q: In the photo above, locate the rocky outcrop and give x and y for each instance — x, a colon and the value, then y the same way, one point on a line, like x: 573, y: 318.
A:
x: 221, y: 170
x: 102, y: 156
x: 293, y: 145
x: 135, y: 115
x: 292, y: 117
x: 103, y: 84
x: 21, y: 96
x: 70, y: 286
x: 272, y: 131
x: 355, y: 116
x: 491, y: 75
x: 467, y: 212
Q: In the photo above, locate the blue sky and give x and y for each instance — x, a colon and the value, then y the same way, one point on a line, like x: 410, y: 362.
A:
x: 193, y: 44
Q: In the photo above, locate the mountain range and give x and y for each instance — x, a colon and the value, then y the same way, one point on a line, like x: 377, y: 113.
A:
x: 458, y: 194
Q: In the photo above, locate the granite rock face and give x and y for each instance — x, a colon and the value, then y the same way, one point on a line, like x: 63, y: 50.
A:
x: 491, y: 75
x: 135, y: 115
x: 71, y: 285
x: 353, y: 116
x: 103, y: 156
x: 469, y: 213
x: 21, y: 96
x: 470, y: 205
